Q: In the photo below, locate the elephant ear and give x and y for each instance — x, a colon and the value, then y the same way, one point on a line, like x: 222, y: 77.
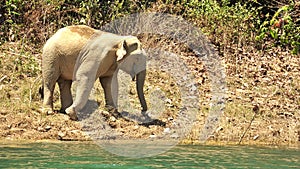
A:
x: 121, y: 51
x: 127, y: 46
x: 131, y: 44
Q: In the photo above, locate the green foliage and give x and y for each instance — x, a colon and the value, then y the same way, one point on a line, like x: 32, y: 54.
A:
x: 34, y: 21
x: 281, y: 29
x: 225, y: 22
x: 8, y: 14
x: 12, y: 10
x: 27, y: 64
x: 16, y: 63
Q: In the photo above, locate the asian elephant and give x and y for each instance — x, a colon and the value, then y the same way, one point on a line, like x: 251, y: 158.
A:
x: 83, y: 54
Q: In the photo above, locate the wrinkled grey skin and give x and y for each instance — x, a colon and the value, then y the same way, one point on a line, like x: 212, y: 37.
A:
x: 83, y: 54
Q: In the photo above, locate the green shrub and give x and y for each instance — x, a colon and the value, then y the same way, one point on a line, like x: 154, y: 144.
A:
x: 225, y: 22
x: 34, y: 21
x: 281, y: 29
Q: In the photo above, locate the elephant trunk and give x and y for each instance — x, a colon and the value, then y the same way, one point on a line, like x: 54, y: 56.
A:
x: 140, y: 81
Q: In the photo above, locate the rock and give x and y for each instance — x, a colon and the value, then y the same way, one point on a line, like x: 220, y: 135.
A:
x: 113, y: 124
x: 256, y: 137
x: 15, y: 129
x: 44, y: 129
x: 47, y: 128
x: 75, y: 131
x: 41, y: 129
x: 175, y: 135
x: 152, y: 136
x: 132, y: 91
x: 167, y: 130
x: 60, y: 135
x: 169, y: 103
x: 170, y: 118
x: 105, y: 114
x: 219, y: 129
x: 112, y: 119
x: 50, y: 112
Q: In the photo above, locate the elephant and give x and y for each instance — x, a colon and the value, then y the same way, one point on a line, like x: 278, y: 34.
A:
x: 83, y: 54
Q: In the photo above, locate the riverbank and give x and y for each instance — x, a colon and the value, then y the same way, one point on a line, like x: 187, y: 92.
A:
x: 262, y: 105
x: 259, y: 52
x: 35, y: 126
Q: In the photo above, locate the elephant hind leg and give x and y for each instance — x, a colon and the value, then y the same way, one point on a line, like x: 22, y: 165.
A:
x: 65, y: 93
x: 48, y: 96
x: 51, y: 73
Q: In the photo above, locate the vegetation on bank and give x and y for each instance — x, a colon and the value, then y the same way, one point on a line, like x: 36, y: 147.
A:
x: 258, y: 39
x: 275, y: 21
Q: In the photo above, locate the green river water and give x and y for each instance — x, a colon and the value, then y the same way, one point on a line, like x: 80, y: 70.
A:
x: 89, y: 155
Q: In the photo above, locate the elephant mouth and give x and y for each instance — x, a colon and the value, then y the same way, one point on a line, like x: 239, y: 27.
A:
x: 133, y: 75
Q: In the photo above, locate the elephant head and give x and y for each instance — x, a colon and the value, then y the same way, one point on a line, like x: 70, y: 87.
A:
x: 132, y: 60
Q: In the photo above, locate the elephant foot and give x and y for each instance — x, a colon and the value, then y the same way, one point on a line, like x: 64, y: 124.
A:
x: 108, y: 114
x: 50, y: 112
x: 72, y: 113
x: 62, y: 111
x: 113, y: 111
x: 145, y: 118
x: 109, y: 108
x: 116, y: 114
x: 145, y: 114
x: 47, y: 111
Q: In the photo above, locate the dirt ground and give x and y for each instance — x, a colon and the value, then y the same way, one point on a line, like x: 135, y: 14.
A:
x: 37, y: 126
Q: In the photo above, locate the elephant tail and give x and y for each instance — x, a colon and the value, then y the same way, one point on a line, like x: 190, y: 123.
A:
x: 41, y: 91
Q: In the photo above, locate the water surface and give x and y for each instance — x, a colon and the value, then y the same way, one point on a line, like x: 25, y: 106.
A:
x: 89, y: 155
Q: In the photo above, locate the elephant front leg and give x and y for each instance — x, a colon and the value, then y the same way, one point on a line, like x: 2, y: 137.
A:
x: 106, y: 85
x: 110, y: 94
x: 83, y: 90
x: 65, y: 94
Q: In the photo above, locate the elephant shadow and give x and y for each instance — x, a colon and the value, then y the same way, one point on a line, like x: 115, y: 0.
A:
x: 90, y: 108
x: 142, y: 119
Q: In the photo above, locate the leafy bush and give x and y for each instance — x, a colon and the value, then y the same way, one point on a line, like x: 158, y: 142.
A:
x: 228, y: 25
x: 225, y: 22
x: 281, y: 29
x: 34, y: 21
